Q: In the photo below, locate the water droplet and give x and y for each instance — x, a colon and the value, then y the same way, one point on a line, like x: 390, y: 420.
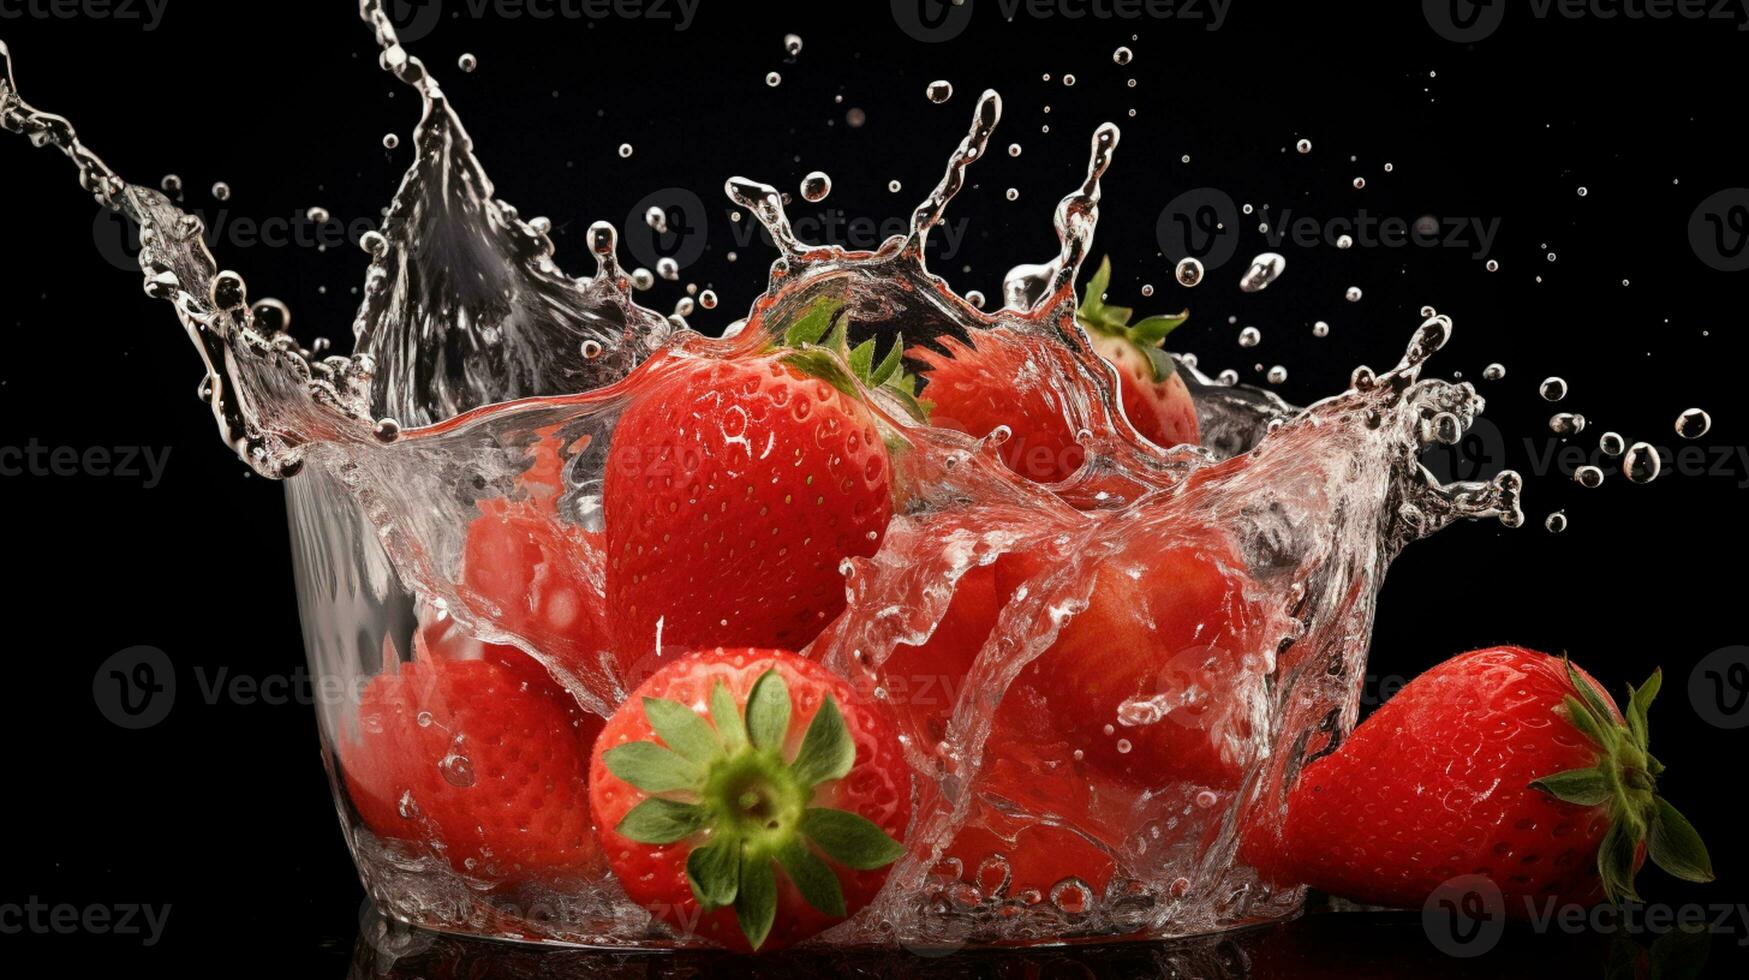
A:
x: 792, y: 44
x: 668, y: 269
x: 390, y: 141
x: 1189, y: 272
x: 1250, y: 337
x: 938, y: 91
x: 467, y: 62
x: 1492, y: 266
x: 1353, y: 294
x: 1320, y: 329
x: 221, y: 191
x: 1013, y: 194
x: 1494, y: 372
x: 1069, y: 81
x: 1556, y: 522
x: 1276, y: 375
x: 1265, y: 269
x: 894, y: 186
x: 1583, y: 192
x: 1553, y: 389
x: 815, y: 186
x: 172, y: 185
x: 1567, y: 424
x: 591, y: 349
x: 1641, y: 464
x: 319, y: 215
x: 1228, y: 377
x: 1122, y: 56
x: 976, y: 298
x: 1344, y: 242
x: 1304, y: 146
x: 1588, y: 476
x: 1693, y: 424
x: 643, y: 279
x: 773, y: 79
x: 271, y: 316
x: 708, y: 300
x: 625, y: 151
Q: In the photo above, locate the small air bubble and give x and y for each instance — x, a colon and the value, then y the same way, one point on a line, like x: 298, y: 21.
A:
x: 467, y: 62
x: 1693, y: 424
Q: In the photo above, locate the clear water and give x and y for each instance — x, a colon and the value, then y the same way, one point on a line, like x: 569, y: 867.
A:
x: 472, y: 344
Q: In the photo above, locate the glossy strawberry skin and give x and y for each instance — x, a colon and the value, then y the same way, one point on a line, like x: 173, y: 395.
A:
x: 877, y: 787
x: 734, y: 489
x: 1436, y: 784
x: 517, y: 809
x: 978, y: 385
x: 1161, y: 410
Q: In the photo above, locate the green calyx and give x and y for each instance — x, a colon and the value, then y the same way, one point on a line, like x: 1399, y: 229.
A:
x: 1146, y: 336
x: 726, y: 782
x: 820, y: 339
x: 1624, y: 781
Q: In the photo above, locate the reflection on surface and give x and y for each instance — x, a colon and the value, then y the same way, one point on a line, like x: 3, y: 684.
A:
x: 1348, y: 945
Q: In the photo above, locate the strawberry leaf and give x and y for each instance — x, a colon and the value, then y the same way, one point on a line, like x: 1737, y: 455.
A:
x: 756, y: 900
x: 683, y: 730
x: 1639, y: 704
x: 850, y: 839
x: 1615, y: 862
x: 1581, y: 787
x: 726, y: 715
x: 768, y: 708
x: 1586, y: 722
x: 1675, y: 845
x: 652, y: 768
x: 827, y: 750
x: 1114, y: 321
x: 818, y: 885
x: 660, y: 821
x: 714, y: 871
x: 814, y: 322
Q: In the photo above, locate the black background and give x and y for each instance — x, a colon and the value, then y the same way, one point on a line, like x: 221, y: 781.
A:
x: 222, y: 810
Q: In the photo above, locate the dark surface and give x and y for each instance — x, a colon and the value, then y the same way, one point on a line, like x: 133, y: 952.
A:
x: 222, y: 812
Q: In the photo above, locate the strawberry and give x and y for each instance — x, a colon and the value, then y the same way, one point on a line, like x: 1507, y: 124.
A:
x: 1140, y: 682
x: 1155, y: 398
x: 531, y: 568
x: 483, y: 760
x: 735, y: 488
x: 1504, y: 763
x: 979, y: 384
x: 749, y: 797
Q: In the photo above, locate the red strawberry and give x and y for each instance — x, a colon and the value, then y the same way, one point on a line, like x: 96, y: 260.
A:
x: 1504, y: 763
x: 483, y: 760
x: 1143, y: 682
x: 749, y: 797
x: 977, y: 386
x: 531, y: 568
x: 734, y: 490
